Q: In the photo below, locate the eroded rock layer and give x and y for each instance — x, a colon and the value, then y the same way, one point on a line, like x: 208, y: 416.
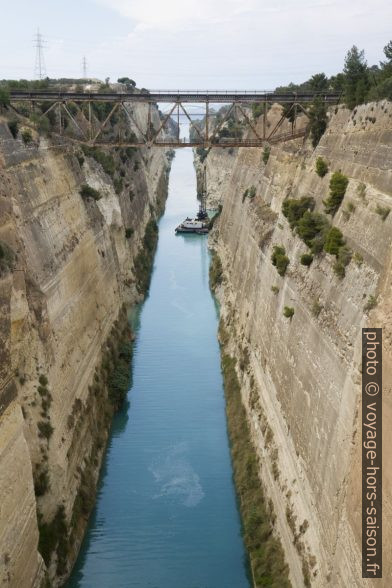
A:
x: 68, y: 265
x: 300, y: 376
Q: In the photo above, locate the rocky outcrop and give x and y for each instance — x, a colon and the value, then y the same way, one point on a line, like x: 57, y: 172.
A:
x: 300, y: 376
x: 67, y: 267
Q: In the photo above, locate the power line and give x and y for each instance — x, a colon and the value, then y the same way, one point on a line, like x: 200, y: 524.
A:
x: 40, y: 69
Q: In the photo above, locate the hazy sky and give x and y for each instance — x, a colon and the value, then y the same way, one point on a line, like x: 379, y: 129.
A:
x: 216, y: 44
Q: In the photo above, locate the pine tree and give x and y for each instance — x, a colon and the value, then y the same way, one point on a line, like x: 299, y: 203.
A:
x: 317, y: 120
x: 356, y: 77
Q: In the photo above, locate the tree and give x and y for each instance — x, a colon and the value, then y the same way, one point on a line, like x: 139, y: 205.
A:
x: 356, y: 82
x: 4, y: 97
x: 317, y: 120
x: 127, y: 82
x: 318, y: 82
x: 289, y: 111
x: 388, y: 51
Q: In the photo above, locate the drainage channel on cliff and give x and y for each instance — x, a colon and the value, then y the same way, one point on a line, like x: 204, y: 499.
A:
x: 166, y: 513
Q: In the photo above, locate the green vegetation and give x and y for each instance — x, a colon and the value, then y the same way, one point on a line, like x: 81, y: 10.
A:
x: 361, y: 190
x: 202, y: 153
x: 358, y: 259
x: 275, y: 289
x: 321, y: 167
x: 316, y: 308
x: 344, y: 255
x: 358, y: 83
x: 4, y: 97
x: 279, y: 259
x: 118, y: 185
x: 306, y: 259
x: 41, y: 481
x: 119, y: 379
x: 317, y: 120
x: 145, y: 257
x: 13, y: 126
x: 104, y: 159
x: 339, y: 269
x: 288, y: 312
x: 357, y: 78
x: 333, y: 241
x: 335, y: 245
x: 337, y: 189
x: 127, y: 82
x: 382, y: 211
x: 370, y: 303
x: 294, y: 209
x: 266, y: 154
x: 249, y: 193
x: 312, y: 228
x: 45, y: 429
x: 43, y: 380
x: 316, y: 232
x: 265, y: 550
x: 257, y: 109
x: 87, y: 191
x: 128, y: 232
x: 53, y: 537
x: 215, y: 271
x: 7, y: 258
x: 27, y: 137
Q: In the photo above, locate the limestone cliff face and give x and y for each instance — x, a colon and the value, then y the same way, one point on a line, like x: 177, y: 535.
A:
x: 67, y: 267
x: 301, y: 376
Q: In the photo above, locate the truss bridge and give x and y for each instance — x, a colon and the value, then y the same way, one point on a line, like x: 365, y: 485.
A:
x: 224, y: 118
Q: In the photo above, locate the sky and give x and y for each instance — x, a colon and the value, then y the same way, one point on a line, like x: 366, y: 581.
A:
x: 192, y: 44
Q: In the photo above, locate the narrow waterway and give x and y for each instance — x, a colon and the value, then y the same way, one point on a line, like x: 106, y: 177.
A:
x: 166, y: 514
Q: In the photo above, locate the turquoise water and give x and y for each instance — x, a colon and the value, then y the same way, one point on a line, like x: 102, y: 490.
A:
x: 166, y: 513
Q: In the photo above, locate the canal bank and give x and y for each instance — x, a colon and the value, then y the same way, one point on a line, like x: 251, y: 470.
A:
x: 166, y: 513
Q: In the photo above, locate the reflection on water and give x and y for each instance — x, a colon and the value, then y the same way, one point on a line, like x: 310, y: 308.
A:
x: 166, y: 513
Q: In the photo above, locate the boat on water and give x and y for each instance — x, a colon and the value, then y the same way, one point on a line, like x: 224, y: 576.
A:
x: 201, y: 223
x: 192, y: 225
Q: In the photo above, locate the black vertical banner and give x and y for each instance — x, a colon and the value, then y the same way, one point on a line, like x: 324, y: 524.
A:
x: 372, y: 453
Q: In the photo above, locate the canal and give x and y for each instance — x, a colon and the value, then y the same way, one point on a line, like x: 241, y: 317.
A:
x: 166, y: 513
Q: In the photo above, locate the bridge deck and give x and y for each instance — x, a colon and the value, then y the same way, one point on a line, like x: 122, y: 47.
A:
x: 174, y: 96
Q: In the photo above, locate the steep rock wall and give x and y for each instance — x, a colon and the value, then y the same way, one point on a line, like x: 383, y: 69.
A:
x: 301, y: 377
x: 71, y: 271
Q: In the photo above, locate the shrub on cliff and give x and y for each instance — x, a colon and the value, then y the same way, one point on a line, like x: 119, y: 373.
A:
x: 333, y: 241
x: 27, y: 137
x: 144, y: 258
x: 45, y: 429
x: 202, y: 153
x: 279, y: 259
x: 7, y: 258
x: 41, y: 481
x: 337, y: 189
x: 317, y: 120
x: 306, y: 259
x: 13, y: 126
x: 294, y: 209
x: 288, y: 312
x: 53, y: 536
x: 87, y: 191
x: 215, y: 271
x: 312, y: 228
x: 321, y: 167
x: 266, y: 154
x: 104, y: 159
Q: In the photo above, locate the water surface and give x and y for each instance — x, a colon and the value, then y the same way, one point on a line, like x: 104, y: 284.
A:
x: 166, y: 514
